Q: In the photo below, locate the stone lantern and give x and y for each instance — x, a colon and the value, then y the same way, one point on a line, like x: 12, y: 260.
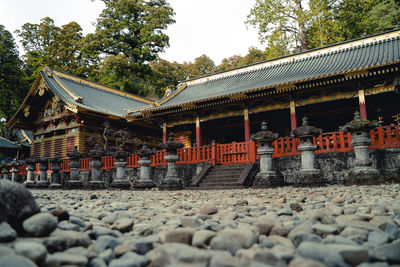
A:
x: 267, y: 176
x: 6, y: 171
x: 120, y: 180
x: 96, y: 181
x: 56, y: 161
x: 144, y: 161
x: 171, y: 180
x: 30, y: 168
x: 309, y: 174
x: 74, y: 178
x: 363, y: 170
x: 43, y: 167
x: 14, y: 169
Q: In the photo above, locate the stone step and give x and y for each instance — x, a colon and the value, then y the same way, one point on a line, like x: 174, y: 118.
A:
x: 218, y: 184
x: 222, y: 176
x: 216, y: 188
x: 230, y: 172
x: 208, y: 180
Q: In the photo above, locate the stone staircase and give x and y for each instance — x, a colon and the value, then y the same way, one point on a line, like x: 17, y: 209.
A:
x: 224, y: 177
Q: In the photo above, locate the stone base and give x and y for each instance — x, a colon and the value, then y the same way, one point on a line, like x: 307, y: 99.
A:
x: 171, y: 184
x: 30, y: 184
x: 96, y: 185
x: 267, y: 179
x: 43, y: 184
x: 55, y: 186
x: 122, y: 184
x: 74, y: 184
x: 363, y: 175
x: 143, y: 184
x: 311, y: 177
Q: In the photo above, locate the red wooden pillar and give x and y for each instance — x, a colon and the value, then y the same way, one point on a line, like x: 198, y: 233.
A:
x: 363, y: 108
x: 198, y: 132
x: 164, y: 133
x: 293, y: 119
x: 246, y: 125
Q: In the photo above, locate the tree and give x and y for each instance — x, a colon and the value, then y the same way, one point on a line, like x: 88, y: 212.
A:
x: 55, y: 47
x: 286, y: 16
x: 254, y: 55
x: 323, y: 28
x: 12, y: 89
x: 166, y: 75
x: 129, y: 35
x: 229, y: 63
x: 202, y: 65
x: 358, y: 18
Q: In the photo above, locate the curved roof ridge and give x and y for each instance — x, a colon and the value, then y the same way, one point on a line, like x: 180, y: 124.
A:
x: 333, y: 48
x: 100, y: 86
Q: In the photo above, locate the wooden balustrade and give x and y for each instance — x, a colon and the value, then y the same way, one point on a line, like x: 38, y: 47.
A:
x: 245, y: 152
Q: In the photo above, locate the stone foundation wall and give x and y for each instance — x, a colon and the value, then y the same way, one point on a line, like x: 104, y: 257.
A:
x: 334, y: 167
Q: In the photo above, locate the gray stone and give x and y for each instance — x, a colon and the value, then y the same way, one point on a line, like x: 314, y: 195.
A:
x: 388, y: 252
x: 337, y: 239
x: 299, y: 238
x: 295, y: 206
x: 225, y: 243
x: 320, y: 228
x: 175, y: 254
x: 123, y: 225
x: 208, y: 209
x: 97, y: 262
x: 107, y: 255
x: 16, y: 261
x: 104, y: 242
x: 7, y: 233
x: 378, y: 237
x: 302, y: 262
x: 180, y: 235
x: 130, y: 259
x: 65, y: 225
x: 61, y: 240
x: 245, y: 236
x: 40, y: 225
x: 318, y: 252
x: 17, y: 204
x: 4, y: 251
x: 61, y: 258
x: 202, y: 238
x: 32, y: 250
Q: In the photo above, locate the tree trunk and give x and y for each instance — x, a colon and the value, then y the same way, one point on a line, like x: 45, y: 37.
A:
x: 302, y: 28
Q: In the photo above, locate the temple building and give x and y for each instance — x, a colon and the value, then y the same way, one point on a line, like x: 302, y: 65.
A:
x: 62, y: 111
x: 325, y: 84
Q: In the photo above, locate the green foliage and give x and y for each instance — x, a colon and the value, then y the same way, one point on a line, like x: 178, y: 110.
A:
x: 12, y: 88
x: 202, y: 65
x: 229, y: 63
x: 166, y: 75
x: 129, y: 34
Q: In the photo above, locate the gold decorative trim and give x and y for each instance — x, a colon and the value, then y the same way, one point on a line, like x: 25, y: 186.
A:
x: 76, y: 98
x: 157, y: 104
x: 361, y: 97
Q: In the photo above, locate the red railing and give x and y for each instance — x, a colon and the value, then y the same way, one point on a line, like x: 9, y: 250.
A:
x: 245, y: 152
x: 385, y: 137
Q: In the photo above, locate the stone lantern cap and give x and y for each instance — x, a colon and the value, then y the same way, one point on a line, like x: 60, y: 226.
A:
x: 96, y: 152
x: 30, y: 161
x: 121, y: 154
x: 171, y: 146
x: 358, y: 124
x: 306, y: 130
x: 5, y: 166
x: 74, y: 155
x: 145, y: 151
x: 15, y: 163
x: 43, y: 160
x: 56, y: 159
x: 264, y: 135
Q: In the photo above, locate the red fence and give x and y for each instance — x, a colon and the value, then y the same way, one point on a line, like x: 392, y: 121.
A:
x: 245, y: 152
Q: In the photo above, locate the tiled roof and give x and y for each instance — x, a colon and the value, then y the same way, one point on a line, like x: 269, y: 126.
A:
x: 351, y: 56
x: 92, y: 96
x: 4, y: 143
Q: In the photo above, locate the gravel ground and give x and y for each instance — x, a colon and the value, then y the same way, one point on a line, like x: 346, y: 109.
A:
x: 288, y: 226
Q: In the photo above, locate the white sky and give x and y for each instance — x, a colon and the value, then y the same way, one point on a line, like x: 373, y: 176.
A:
x: 212, y: 27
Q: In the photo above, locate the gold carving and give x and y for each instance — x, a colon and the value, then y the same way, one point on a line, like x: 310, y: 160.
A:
x: 26, y: 111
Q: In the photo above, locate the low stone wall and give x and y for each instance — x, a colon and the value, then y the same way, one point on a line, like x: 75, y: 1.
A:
x: 334, y: 169
x: 335, y: 166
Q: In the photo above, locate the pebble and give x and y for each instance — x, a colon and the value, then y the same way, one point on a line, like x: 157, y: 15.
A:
x: 190, y: 228
x: 7, y: 233
x: 41, y: 224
